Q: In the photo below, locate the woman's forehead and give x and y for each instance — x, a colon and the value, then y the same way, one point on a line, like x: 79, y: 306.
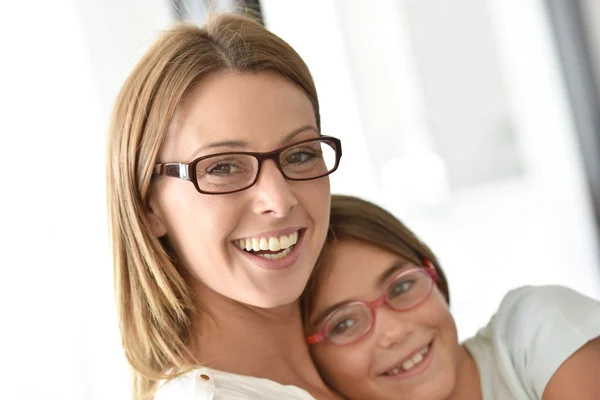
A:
x: 257, y: 109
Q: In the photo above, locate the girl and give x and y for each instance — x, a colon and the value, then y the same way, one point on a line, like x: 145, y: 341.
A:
x: 377, y: 317
x: 218, y: 206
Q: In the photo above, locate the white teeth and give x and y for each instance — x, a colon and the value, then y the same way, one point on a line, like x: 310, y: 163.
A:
x: 264, y: 244
x: 417, y: 358
x: 274, y: 244
x: 293, y: 238
x: 277, y: 256
x: 408, y: 364
x: 268, y: 243
x: 411, y: 362
x: 284, y: 242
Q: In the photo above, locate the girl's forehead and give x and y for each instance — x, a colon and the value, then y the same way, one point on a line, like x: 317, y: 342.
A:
x: 355, y: 271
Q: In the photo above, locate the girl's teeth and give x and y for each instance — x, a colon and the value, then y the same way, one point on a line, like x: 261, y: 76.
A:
x: 417, y: 358
x: 411, y: 362
x: 408, y: 364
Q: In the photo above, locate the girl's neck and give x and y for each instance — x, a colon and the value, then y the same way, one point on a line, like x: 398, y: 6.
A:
x: 245, y: 340
x: 468, y: 386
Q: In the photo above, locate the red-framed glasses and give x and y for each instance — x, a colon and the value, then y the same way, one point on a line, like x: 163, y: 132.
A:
x: 351, y: 321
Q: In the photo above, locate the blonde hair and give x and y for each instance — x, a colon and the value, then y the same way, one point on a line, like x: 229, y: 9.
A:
x: 352, y: 218
x: 153, y: 300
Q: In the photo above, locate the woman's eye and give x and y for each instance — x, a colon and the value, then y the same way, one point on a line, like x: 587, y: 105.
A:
x: 300, y: 156
x: 223, y: 169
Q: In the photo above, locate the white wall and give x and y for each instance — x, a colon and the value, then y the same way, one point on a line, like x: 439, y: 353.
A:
x: 62, y: 62
x: 463, y: 89
x: 484, y: 77
x: 312, y: 28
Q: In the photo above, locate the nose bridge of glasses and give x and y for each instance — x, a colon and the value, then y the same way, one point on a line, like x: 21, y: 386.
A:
x: 275, y: 191
x: 373, y: 305
x: 269, y: 162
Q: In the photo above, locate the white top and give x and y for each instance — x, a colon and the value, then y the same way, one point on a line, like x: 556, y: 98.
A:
x: 210, y: 384
x: 534, y: 331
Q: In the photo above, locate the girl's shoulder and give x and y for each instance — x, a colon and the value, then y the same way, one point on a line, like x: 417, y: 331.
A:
x: 535, y: 329
x: 209, y: 384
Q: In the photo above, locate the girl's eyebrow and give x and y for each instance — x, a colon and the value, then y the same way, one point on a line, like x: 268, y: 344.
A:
x: 396, y: 266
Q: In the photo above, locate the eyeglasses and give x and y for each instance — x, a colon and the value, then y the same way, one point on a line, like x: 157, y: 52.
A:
x: 232, y: 172
x: 350, y: 322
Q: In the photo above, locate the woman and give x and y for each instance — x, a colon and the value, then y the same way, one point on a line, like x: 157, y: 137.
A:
x: 377, y: 317
x: 219, y: 206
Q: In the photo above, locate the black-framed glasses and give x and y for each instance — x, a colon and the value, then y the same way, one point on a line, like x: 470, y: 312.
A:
x: 232, y: 172
x: 351, y: 321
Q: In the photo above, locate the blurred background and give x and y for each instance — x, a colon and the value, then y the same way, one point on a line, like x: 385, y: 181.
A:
x: 475, y: 121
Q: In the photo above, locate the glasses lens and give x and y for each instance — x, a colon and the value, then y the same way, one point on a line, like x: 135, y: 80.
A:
x: 409, y: 289
x: 225, y: 173
x: 309, y: 159
x: 348, y: 323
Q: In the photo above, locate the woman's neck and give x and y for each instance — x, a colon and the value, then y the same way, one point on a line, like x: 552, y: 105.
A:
x: 266, y: 343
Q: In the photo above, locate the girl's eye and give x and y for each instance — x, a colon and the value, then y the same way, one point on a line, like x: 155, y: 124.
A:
x: 341, y: 327
x: 399, y: 288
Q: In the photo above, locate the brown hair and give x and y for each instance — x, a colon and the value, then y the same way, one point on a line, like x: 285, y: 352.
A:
x: 153, y: 300
x: 356, y: 219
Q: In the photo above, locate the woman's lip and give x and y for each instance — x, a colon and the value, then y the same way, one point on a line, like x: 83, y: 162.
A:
x: 283, y: 263
x: 416, y: 370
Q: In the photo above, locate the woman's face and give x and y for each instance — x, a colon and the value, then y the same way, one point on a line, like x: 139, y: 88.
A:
x: 373, y: 367
x: 242, y: 112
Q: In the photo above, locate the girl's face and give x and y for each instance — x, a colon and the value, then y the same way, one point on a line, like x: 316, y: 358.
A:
x: 411, y: 354
x: 243, y: 112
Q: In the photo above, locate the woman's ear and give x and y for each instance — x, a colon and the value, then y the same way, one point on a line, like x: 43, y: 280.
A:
x: 155, y: 216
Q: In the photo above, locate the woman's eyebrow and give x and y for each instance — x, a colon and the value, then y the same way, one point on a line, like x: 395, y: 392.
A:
x: 290, y: 136
x: 242, y: 144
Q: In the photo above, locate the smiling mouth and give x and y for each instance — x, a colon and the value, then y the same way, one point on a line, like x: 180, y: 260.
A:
x: 271, y: 248
x: 410, y: 362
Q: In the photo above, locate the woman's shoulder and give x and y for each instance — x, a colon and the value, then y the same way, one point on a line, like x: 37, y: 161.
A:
x: 209, y: 384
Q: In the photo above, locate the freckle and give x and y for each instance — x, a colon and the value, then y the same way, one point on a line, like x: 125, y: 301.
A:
x: 204, y: 377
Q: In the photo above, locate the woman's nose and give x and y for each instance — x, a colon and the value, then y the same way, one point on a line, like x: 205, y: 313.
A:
x: 274, y: 193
